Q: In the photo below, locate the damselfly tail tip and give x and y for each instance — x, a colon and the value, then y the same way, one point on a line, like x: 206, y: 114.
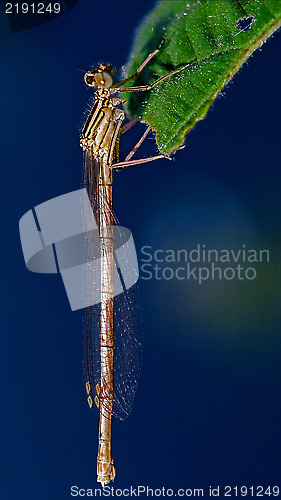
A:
x: 105, y: 479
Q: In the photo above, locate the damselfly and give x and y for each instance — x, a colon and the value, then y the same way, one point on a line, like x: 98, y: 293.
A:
x: 112, y: 346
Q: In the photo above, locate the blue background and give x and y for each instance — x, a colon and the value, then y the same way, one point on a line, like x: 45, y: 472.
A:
x: 208, y: 406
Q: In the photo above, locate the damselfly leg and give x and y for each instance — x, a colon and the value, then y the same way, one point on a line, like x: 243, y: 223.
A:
x: 128, y: 163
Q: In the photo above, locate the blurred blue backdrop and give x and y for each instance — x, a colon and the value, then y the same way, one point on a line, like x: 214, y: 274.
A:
x: 208, y: 406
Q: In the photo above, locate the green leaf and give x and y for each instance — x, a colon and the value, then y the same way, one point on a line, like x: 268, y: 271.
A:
x: 214, y: 38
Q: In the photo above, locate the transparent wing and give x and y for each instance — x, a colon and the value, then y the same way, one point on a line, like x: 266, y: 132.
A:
x: 128, y: 331
x: 128, y: 346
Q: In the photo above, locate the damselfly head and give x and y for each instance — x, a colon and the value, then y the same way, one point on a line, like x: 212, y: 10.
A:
x: 102, y: 76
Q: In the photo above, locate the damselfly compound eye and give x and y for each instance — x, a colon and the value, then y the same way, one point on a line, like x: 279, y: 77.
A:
x: 89, y: 79
x: 104, y: 79
x: 108, y: 80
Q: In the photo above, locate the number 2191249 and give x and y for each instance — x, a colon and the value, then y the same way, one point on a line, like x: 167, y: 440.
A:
x: 251, y: 491
x: 32, y: 8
